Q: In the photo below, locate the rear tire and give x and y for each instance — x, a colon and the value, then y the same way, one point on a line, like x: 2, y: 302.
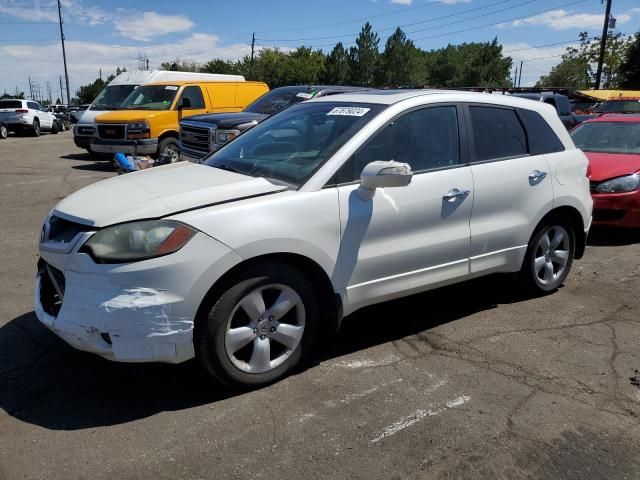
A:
x: 244, y: 340
x: 549, y: 256
x: 35, y: 129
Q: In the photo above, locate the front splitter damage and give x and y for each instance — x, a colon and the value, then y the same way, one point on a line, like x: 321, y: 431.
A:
x: 129, y: 324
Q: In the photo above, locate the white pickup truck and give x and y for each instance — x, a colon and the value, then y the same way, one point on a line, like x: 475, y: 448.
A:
x: 29, y: 116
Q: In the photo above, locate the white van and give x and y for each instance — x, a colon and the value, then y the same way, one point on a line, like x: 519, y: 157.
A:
x: 120, y: 87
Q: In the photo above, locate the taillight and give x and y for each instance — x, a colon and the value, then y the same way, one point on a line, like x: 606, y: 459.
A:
x: 21, y: 110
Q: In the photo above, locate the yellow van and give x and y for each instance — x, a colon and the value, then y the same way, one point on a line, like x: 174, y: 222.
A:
x: 146, y: 123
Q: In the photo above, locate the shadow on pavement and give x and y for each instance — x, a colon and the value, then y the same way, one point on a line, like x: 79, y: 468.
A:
x: 613, y: 237
x: 95, y: 167
x: 45, y: 382
x: 79, y: 156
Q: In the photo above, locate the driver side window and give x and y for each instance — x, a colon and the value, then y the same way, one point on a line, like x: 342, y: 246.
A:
x: 426, y: 139
x: 194, y: 95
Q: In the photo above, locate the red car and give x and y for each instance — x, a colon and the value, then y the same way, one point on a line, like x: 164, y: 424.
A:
x: 612, y: 143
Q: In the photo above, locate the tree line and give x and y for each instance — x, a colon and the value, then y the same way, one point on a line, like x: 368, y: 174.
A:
x: 399, y: 64
x: 621, y: 66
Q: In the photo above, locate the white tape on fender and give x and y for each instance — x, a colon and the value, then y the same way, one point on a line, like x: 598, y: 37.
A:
x: 349, y: 111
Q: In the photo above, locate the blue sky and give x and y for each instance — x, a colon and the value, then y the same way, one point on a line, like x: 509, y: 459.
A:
x: 102, y: 34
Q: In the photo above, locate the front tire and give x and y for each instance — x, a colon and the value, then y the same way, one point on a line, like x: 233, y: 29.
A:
x: 549, y: 256
x: 4, y: 132
x: 259, y: 328
x: 35, y: 129
x: 169, y: 150
x: 54, y: 128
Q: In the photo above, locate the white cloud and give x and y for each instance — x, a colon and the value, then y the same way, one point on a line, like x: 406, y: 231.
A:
x: 565, y: 20
x: 73, y: 11
x: 148, y: 25
x: 85, y: 59
x: 402, y: 2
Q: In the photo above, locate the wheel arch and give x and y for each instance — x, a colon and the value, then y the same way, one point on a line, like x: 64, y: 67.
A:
x: 306, y: 265
x: 572, y: 215
x: 167, y: 134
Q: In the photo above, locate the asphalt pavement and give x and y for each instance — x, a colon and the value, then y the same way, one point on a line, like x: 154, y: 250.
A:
x: 473, y: 381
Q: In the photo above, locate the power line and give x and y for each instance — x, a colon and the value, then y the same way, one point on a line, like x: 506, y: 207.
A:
x: 407, y: 24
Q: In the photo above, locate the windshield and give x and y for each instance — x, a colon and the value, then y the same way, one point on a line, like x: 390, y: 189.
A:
x: 619, y: 106
x: 150, y: 97
x: 279, y: 99
x: 608, y: 137
x: 290, y: 146
x: 111, y: 97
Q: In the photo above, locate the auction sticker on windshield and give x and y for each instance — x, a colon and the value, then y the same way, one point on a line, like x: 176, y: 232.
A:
x: 170, y: 87
x: 349, y: 111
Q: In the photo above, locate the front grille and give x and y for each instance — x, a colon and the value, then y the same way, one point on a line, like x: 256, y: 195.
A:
x: 195, y: 139
x: 607, y: 214
x: 111, y: 132
x: 85, y: 131
x: 61, y: 230
x: 52, y: 286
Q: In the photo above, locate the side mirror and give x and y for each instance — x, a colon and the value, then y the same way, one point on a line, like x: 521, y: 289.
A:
x: 184, y: 103
x: 380, y: 174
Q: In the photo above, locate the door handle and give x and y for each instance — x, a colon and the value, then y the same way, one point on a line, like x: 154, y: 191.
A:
x: 537, y: 176
x: 455, y: 193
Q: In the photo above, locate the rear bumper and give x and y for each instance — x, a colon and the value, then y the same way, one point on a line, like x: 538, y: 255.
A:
x: 617, y: 209
x: 147, y: 146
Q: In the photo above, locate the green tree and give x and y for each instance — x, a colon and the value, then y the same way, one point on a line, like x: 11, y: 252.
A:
x: 574, y: 71
x: 363, y: 58
x: 180, y: 65
x: 87, y: 93
x: 304, y: 66
x: 630, y: 67
x: 336, y: 66
x: 401, y: 64
x: 220, y: 66
x: 469, y: 65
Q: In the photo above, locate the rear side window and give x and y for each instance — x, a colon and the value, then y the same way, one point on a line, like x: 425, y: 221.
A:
x: 542, y: 137
x: 32, y: 105
x: 194, y: 94
x: 10, y: 104
x: 497, y: 133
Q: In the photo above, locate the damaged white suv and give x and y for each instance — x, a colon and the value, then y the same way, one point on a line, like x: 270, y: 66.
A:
x: 324, y: 208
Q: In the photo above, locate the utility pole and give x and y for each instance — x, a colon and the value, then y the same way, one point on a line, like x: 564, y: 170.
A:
x: 520, y: 75
x: 515, y: 78
x: 253, y: 46
x: 61, y: 92
x: 603, y: 44
x: 49, y: 92
x: 64, y: 53
x: 30, y: 88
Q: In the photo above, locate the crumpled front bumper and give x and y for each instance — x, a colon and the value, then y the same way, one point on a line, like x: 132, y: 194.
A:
x: 138, y: 312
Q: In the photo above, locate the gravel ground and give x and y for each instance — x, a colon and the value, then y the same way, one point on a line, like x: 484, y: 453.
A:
x: 471, y: 381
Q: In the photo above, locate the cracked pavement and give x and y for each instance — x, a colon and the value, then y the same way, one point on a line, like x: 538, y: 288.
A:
x: 470, y: 381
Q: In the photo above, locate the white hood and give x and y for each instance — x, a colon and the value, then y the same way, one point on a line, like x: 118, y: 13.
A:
x: 158, y: 192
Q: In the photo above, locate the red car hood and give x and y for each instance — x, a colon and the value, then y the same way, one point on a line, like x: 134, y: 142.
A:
x: 610, y: 165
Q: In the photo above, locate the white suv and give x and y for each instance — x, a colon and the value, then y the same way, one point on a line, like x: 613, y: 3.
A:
x: 322, y: 209
x: 28, y: 116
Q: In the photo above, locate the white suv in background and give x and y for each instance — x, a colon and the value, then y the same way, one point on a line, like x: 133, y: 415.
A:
x: 322, y: 209
x: 28, y: 116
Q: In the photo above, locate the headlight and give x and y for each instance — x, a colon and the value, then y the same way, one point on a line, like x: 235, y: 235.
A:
x: 225, y: 136
x: 138, y: 130
x: 620, y: 184
x: 130, y: 242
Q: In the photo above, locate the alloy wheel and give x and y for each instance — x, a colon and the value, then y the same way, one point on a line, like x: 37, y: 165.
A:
x: 552, y: 255
x: 265, y: 328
